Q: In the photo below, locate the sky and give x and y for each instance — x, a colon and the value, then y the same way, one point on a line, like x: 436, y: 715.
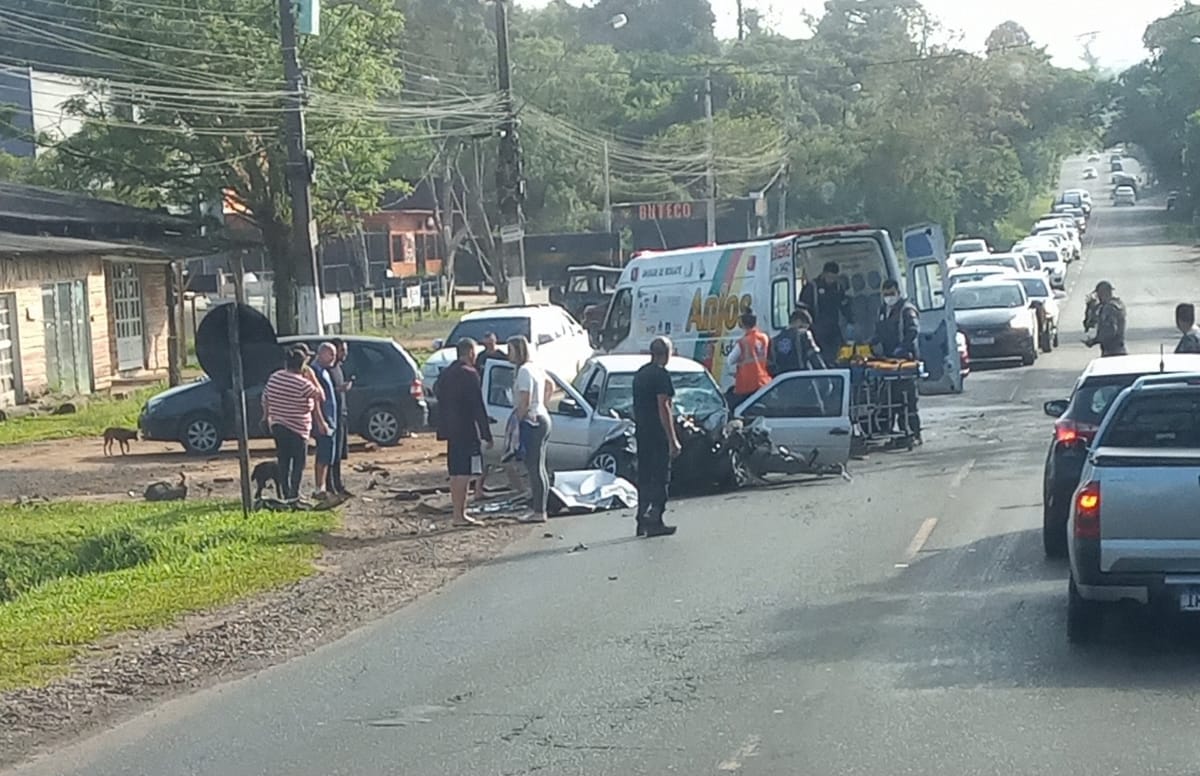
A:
x: 1057, y: 24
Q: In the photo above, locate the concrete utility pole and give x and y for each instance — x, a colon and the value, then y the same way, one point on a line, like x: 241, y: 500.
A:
x: 741, y: 20
x: 710, y: 174
x: 510, y: 176
x: 304, y: 269
x: 608, y: 224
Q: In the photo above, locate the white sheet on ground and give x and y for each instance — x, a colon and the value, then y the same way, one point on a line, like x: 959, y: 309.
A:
x: 590, y: 491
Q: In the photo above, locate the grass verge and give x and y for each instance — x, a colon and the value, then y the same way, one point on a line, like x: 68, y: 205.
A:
x: 73, y: 573
x: 90, y: 421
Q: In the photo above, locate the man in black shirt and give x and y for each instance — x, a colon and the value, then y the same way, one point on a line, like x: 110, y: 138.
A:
x: 828, y: 299
x: 341, y: 440
x: 656, y: 440
x: 491, y: 351
x: 793, y: 349
x: 1185, y: 321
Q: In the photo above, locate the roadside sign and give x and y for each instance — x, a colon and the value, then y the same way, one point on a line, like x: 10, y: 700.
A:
x: 511, y: 234
x: 412, y: 297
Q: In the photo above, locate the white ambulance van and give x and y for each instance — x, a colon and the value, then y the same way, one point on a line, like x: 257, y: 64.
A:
x: 696, y: 295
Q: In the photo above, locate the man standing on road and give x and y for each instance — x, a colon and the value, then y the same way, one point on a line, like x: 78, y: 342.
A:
x: 1110, y: 322
x: 462, y: 425
x: 290, y: 406
x: 896, y: 336
x: 657, y: 442
x: 793, y: 349
x: 328, y: 447
x: 490, y: 351
x: 826, y: 297
x: 341, y: 386
x: 748, y: 359
x: 1185, y: 321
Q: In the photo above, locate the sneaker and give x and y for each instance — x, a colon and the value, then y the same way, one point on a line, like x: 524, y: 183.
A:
x: 653, y: 531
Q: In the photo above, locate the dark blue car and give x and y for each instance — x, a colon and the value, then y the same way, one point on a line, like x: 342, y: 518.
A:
x: 386, y: 401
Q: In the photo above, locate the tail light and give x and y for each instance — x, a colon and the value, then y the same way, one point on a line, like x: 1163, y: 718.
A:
x: 1070, y: 432
x: 1087, y: 511
x: 417, y: 390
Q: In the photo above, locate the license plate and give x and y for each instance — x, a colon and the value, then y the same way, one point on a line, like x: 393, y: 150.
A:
x: 984, y: 340
x: 1189, y: 600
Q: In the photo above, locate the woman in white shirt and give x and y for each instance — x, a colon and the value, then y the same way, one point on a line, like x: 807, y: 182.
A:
x: 532, y: 390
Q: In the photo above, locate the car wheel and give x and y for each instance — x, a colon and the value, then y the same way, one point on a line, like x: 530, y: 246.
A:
x: 1046, y: 341
x: 615, y: 462
x: 1055, y: 336
x: 201, y: 435
x: 1054, y: 530
x: 1029, y: 357
x: 1083, y: 617
x: 383, y: 425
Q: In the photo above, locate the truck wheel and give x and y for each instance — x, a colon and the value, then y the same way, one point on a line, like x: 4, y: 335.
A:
x: 1083, y: 617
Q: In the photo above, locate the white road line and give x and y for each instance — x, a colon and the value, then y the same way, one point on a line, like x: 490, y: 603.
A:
x: 957, y: 480
x: 921, y: 537
x: 748, y: 749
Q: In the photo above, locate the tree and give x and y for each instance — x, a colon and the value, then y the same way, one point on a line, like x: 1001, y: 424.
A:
x: 189, y: 107
x: 1007, y: 35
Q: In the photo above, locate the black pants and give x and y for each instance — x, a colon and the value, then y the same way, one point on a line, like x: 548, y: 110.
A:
x: 341, y: 446
x: 908, y: 418
x: 653, y: 480
x: 291, y: 451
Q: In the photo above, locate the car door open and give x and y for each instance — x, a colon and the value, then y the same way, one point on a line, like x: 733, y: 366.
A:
x: 806, y: 412
x: 924, y: 248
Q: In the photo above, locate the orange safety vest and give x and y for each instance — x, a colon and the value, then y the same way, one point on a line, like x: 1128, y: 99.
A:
x: 752, y: 372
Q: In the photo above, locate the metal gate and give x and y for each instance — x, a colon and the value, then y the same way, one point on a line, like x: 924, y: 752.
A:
x: 127, y: 316
x: 68, y: 341
x: 10, y: 378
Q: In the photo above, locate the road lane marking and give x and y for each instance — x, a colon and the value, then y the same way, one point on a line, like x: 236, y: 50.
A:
x: 748, y: 749
x: 957, y: 480
x: 921, y: 537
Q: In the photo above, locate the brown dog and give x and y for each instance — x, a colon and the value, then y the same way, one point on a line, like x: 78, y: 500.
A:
x: 122, y: 436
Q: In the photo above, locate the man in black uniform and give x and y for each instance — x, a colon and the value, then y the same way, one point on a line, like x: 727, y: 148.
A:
x: 896, y: 336
x: 656, y: 440
x: 827, y: 298
x: 342, y: 383
x: 793, y: 349
x: 1110, y: 322
x: 1185, y: 321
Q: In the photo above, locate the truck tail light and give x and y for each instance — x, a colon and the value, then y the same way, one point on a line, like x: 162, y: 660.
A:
x: 1087, y: 511
x: 417, y: 389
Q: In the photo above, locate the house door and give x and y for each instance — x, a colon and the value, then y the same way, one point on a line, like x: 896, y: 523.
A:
x: 68, y: 343
x: 10, y: 378
x: 127, y: 316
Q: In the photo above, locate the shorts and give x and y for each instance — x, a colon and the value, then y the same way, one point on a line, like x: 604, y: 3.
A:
x: 326, y: 448
x: 463, y: 459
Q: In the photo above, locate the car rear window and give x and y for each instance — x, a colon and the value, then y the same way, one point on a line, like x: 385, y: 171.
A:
x: 1169, y: 420
x: 503, y: 328
x: 1095, y: 396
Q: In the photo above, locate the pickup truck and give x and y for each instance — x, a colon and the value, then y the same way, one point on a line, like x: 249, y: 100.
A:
x: 1134, y: 525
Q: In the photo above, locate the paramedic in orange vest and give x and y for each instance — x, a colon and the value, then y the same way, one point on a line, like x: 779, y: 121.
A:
x: 748, y: 359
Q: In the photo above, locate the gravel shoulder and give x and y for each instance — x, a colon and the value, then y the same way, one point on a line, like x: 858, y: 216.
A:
x: 392, y: 547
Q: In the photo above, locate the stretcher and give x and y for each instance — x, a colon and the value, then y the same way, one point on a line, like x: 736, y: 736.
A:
x: 878, y: 410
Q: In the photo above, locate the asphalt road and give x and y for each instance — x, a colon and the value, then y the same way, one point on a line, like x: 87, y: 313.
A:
x: 904, y: 623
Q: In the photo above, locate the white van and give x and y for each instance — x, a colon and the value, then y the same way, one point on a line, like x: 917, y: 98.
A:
x: 696, y: 295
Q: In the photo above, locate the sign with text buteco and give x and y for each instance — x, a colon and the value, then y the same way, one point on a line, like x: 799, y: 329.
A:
x: 646, y: 212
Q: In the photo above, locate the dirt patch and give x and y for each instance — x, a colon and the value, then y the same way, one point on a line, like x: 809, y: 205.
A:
x: 390, y: 550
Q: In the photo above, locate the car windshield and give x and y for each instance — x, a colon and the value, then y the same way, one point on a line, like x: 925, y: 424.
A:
x: 476, y: 328
x: 995, y: 261
x: 1165, y: 420
x: 968, y: 246
x: 974, y: 297
x: 1032, y: 260
x: 1049, y: 256
x: 1035, y: 288
x: 695, y: 394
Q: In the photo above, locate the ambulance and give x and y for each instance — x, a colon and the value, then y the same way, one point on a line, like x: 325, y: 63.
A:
x: 696, y: 295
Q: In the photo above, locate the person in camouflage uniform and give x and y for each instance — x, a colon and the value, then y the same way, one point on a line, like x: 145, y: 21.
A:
x: 1110, y: 322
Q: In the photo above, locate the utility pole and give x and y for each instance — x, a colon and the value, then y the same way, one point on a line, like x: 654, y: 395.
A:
x: 710, y: 174
x: 510, y: 177
x: 304, y: 271
x: 783, y: 194
x: 741, y: 20
x: 608, y: 224
x: 448, y: 225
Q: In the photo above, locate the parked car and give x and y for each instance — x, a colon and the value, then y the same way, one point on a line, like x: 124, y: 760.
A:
x: 386, y: 402
x: 1067, y: 232
x: 558, y: 343
x: 997, y: 318
x: 1051, y: 259
x: 972, y: 274
x: 1045, y: 301
x: 586, y: 294
x: 1013, y: 261
x: 1124, y: 195
x: 1076, y: 422
x: 966, y: 246
x: 1089, y: 173
x: 1133, y: 532
x: 1081, y: 198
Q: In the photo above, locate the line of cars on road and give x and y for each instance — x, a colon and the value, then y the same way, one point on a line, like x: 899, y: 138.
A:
x: 1121, y: 485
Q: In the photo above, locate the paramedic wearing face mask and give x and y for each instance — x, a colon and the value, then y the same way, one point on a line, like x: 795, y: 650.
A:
x: 896, y: 333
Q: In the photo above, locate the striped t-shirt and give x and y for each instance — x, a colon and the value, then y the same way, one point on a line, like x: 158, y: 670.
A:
x: 289, y: 398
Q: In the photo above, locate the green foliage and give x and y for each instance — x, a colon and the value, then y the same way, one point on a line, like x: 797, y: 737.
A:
x: 72, y: 573
x: 90, y: 421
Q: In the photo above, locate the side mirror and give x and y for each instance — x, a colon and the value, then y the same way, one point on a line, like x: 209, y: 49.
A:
x: 570, y: 407
x: 438, y: 344
x: 1057, y: 408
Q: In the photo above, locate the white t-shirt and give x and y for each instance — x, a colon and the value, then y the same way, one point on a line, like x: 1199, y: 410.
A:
x: 532, y: 379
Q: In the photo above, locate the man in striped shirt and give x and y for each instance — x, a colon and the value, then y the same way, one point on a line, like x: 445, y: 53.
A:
x: 290, y: 403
